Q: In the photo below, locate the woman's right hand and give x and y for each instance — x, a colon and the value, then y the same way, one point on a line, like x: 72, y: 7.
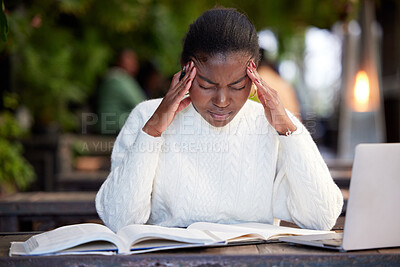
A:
x: 173, y: 102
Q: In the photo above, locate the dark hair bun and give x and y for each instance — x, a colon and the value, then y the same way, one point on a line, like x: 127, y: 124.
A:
x: 220, y: 30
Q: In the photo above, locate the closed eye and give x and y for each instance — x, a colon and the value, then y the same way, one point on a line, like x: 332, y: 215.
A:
x: 240, y: 88
x: 206, y: 88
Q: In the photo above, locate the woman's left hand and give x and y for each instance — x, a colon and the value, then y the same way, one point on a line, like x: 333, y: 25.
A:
x: 274, y: 110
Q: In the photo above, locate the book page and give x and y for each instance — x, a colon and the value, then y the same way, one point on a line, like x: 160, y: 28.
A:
x: 96, y: 247
x: 233, y: 234
x: 277, y: 231
x: 16, y: 249
x: 70, y: 236
x: 168, y: 245
x: 249, y: 230
x: 135, y: 234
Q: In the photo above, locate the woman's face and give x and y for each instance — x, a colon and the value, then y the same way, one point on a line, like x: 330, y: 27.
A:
x: 221, y: 87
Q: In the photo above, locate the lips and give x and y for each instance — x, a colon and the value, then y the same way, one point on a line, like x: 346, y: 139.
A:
x: 220, y: 116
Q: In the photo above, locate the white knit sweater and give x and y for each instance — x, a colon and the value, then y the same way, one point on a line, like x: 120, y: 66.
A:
x: 241, y: 172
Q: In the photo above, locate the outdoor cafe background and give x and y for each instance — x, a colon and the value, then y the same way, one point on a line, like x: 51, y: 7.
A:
x: 341, y: 58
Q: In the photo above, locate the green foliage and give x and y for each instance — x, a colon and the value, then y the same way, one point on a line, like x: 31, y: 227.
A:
x: 3, y: 23
x: 15, y: 170
x: 54, y: 68
x: 60, y: 48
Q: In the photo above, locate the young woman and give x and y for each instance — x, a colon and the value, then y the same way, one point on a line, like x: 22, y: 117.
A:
x: 213, y: 155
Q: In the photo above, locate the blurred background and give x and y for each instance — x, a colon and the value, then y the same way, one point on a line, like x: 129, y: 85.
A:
x: 335, y: 63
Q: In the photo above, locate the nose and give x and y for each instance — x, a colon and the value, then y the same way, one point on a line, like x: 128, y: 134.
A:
x: 222, y: 98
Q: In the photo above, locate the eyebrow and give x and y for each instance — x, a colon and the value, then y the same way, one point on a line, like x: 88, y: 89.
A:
x: 211, y: 82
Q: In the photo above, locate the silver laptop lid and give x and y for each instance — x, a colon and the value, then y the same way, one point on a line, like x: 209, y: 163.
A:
x: 373, y: 209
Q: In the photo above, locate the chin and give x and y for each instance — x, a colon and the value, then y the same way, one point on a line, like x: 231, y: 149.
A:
x: 219, y: 123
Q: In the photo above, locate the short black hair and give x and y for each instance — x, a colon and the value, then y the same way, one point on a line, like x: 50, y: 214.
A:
x: 220, y: 30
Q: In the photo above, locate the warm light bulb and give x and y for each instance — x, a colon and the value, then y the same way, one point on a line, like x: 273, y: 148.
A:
x: 361, y: 92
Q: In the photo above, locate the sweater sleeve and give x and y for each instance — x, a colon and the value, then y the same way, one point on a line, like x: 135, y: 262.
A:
x: 125, y: 196
x: 304, y: 191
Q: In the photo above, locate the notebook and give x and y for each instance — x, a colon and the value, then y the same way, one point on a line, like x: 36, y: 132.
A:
x: 373, y: 213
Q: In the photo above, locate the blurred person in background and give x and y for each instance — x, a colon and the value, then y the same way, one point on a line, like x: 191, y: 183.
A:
x: 119, y: 93
x: 151, y: 80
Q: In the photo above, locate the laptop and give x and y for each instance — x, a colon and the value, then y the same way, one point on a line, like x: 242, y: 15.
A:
x: 373, y: 213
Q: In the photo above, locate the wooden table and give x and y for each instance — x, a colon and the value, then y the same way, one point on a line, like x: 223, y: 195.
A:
x: 42, y: 211
x: 273, y: 254
x: 47, y: 210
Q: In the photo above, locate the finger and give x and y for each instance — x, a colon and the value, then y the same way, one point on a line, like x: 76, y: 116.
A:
x: 271, y: 94
x: 176, y: 95
x: 188, y: 83
x: 263, y: 88
x: 259, y: 83
x: 267, y: 99
x: 256, y: 79
x: 267, y: 103
x: 181, y: 80
x: 179, y: 76
x: 175, y: 79
x: 188, y: 76
x: 183, y: 73
x: 251, y: 74
x: 188, y: 70
x: 267, y: 96
x: 261, y: 97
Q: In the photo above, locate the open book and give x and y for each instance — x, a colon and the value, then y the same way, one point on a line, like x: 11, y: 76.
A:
x: 91, y: 238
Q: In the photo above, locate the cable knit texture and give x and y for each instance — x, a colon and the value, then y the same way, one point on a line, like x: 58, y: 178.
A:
x: 243, y: 172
